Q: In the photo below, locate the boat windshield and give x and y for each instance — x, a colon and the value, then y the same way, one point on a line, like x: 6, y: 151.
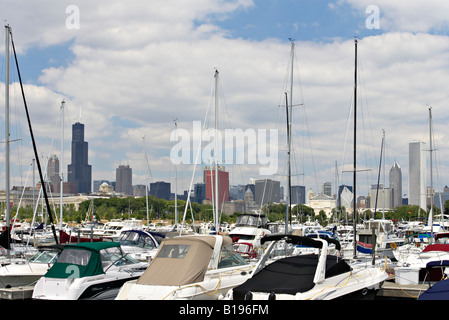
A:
x: 115, y: 256
x: 137, y: 240
x: 230, y: 258
x: 251, y: 220
x: 44, y: 257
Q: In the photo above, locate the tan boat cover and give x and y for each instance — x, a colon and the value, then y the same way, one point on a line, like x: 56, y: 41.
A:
x: 178, y: 271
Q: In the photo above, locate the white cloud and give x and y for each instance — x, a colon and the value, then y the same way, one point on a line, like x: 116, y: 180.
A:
x: 137, y: 65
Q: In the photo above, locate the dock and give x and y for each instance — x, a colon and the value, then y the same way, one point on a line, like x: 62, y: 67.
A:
x: 390, y: 290
x: 394, y: 291
x: 16, y: 293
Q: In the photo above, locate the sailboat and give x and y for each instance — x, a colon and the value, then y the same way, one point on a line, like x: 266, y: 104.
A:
x: 192, y: 267
x: 5, y: 238
x: 413, y: 260
x: 321, y: 275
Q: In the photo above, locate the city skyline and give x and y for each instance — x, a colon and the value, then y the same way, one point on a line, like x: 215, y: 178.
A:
x: 128, y: 82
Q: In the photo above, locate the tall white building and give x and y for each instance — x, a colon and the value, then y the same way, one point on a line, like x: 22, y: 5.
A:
x: 417, y: 174
x: 395, y: 178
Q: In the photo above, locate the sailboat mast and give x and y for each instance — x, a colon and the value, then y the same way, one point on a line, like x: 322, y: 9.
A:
x: 431, y: 176
x: 378, y: 176
x: 288, y: 202
x: 34, y: 143
x: 354, y: 222
x: 176, y: 184
x: 216, y: 152
x: 7, y: 169
x: 61, y: 189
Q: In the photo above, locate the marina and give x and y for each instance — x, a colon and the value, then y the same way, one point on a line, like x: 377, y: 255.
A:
x: 255, y: 242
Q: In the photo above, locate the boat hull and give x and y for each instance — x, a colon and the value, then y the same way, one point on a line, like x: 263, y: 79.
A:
x: 351, y: 286
x: 89, y: 288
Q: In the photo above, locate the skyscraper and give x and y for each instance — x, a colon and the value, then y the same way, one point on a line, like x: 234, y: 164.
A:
x: 123, y: 180
x: 160, y: 189
x: 53, y: 173
x: 267, y: 191
x: 79, y: 171
x: 326, y: 189
x: 200, y: 192
x: 223, y: 185
x: 395, y: 178
x: 298, y: 195
x: 417, y: 174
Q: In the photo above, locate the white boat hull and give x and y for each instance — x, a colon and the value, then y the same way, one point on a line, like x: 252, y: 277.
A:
x: 357, y: 284
x: 215, y: 286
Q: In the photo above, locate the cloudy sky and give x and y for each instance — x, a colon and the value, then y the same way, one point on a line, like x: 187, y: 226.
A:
x: 129, y: 70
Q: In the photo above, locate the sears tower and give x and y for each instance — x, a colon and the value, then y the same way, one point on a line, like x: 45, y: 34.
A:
x: 79, y: 171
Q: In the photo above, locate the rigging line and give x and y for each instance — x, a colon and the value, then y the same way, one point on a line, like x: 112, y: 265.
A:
x: 436, y: 169
x: 198, y: 151
x: 311, y: 150
x: 348, y: 122
x: 33, y: 140
x: 222, y: 96
x: 367, y: 130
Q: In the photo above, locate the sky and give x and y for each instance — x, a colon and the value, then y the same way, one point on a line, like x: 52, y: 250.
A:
x: 133, y: 71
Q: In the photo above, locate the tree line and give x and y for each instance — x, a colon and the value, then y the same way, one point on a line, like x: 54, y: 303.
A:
x: 131, y: 207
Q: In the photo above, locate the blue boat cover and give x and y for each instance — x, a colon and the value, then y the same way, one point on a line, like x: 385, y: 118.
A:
x: 437, y: 263
x: 439, y: 291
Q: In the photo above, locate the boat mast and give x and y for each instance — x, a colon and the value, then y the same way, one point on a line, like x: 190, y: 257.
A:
x: 7, y: 169
x: 176, y: 182
x: 378, y: 176
x: 33, y: 141
x: 289, y: 139
x: 61, y: 189
x: 431, y: 177
x: 146, y: 183
x: 216, y: 152
x: 354, y: 222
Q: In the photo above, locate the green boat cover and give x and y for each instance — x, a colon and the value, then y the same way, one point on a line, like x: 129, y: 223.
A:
x: 80, y: 260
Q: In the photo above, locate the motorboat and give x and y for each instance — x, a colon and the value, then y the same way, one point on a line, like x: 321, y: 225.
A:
x: 250, y: 228
x: 440, y: 289
x: 90, y: 270
x: 412, y: 268
x: 191, y: 267
x: 313, y: 276
x: 139, y: 244
x: 26, y: 272
x: 379, y: 232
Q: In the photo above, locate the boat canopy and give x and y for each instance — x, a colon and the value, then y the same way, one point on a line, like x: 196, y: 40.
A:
x: 180, y: 261
x: 437, y: 247
x: 290, y: 275
x: 84, y: 259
